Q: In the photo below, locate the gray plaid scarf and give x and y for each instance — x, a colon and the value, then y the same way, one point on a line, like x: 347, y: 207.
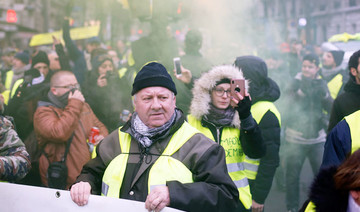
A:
x: 147, y: 136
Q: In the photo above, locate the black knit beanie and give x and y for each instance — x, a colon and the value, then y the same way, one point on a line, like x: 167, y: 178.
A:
x: 40, y: 57
x: 153, y: 74
x: 338, y: 56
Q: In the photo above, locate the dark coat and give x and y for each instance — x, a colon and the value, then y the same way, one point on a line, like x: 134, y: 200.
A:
x: 345, y: 104
x: 109, y: 101
x: 212, y: 190
x: 262, y: 88
x: 324, y: 194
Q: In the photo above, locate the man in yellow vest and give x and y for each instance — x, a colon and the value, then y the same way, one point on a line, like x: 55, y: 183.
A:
x: 344, y: 139
x: 333, y: 72
x: 15, y: 77
x: 349, y: 101
x: 157, y: 157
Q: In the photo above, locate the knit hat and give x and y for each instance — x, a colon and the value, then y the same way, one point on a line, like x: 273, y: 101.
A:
x: 153, y: 74
x: 23, y: 56
x: 40, y: 57
x: 338, y: 56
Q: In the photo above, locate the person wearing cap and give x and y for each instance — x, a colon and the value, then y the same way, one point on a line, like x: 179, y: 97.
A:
x: 333, y: 72
x: 232, y: 127
x: 15, y: 77
x: 7, y: 58
x: 157, y: 157
x: 264, y: 92
x: 309, y: 104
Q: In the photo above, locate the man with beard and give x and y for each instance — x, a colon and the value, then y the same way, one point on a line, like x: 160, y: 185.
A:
x: 349, y: 101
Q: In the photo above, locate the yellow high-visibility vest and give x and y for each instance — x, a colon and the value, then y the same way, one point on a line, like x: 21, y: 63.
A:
x: 258, y: 110
x: 334, y: 85
x: 234, y: 158
x: 353, y: 120
x: 165, y: 168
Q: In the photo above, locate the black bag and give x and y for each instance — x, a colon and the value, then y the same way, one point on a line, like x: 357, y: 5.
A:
x: 57, y: 172
x: 57, y: 175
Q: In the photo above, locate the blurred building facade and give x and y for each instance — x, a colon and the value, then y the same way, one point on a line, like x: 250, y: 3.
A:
x: 309, y: 20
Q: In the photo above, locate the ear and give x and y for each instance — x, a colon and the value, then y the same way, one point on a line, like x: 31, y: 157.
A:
x: 355, y: 194
x: 353, y: 71
x: 53, y: 90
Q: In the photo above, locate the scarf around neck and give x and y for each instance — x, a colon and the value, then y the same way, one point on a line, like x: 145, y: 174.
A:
x: 58, y: 101
x: 220, y: 117
x: 147, y: 136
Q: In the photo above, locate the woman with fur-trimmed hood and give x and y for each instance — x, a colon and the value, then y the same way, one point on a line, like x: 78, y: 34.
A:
x: 233, y: 128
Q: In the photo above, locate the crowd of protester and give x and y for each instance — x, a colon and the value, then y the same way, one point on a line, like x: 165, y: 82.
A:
x: 293, y: 110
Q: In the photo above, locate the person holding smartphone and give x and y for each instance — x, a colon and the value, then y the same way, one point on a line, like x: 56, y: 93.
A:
x: 233, y: 127
x: 308, y: 99
x: 106, y: 93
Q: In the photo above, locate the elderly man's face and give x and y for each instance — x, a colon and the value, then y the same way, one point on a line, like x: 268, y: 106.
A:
x: 154, y: 105
x: 64, y: 85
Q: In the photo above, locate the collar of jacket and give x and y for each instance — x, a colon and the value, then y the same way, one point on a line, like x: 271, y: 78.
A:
x: 180, y: 118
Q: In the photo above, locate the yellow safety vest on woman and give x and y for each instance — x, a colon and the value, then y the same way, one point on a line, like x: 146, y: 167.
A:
x: 165, y: 168
x: 234, y: 158
x: 258, y: 110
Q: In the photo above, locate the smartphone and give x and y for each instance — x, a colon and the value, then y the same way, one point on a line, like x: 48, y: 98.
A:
x: 237, y: 85
x: 177, y: 65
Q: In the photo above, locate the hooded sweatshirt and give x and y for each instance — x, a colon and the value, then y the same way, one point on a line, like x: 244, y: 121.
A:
x: 262, y: 88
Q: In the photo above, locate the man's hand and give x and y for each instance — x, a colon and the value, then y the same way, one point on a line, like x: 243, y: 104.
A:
x: 185, y: 75
x: 80, y: 193
x: 102, y: 81
x: 77, y: 95
x: 98, y: 138
x: 158, y: 199
x: 256, y: 207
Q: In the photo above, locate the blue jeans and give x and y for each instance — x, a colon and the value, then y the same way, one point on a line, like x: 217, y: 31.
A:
x: 295, y: 158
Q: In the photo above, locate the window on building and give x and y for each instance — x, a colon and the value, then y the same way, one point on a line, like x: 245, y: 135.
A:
x: 19, y: 1
x: 324, y: 32
x: 353, y: 27
x: 337, y: 5
x: 322, y: 7
x: 352, y: 3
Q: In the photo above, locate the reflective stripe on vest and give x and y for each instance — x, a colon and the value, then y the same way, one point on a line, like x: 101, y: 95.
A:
x: 310, y: 207
x: 353, y: 120
x: 15, y: 87
x: 165, y: 168
x: 234, y: 158
x: 258, y: 110
x: 6, y: 95
x: 334, y: 85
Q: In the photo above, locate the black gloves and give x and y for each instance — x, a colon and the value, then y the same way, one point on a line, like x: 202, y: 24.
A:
x: 243, y: 107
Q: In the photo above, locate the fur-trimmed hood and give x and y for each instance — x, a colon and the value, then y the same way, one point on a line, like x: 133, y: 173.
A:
x: 200, y: 103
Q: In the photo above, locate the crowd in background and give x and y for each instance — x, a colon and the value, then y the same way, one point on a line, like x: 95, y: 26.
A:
x: 301, y: 80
